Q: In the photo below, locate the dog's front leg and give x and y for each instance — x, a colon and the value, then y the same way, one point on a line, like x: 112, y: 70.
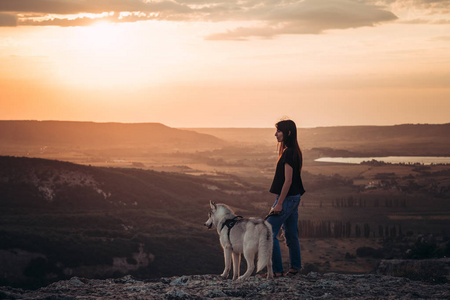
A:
x: 236, y: 265
x: 227, y: 256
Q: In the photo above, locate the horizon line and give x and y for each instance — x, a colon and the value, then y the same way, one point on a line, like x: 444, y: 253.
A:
x: 215, y: 127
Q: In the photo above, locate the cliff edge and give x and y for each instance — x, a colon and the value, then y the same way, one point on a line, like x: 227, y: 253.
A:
x: 313, y: 285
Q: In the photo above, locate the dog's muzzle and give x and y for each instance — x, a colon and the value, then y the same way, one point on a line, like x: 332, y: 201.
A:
x: 209, y: 226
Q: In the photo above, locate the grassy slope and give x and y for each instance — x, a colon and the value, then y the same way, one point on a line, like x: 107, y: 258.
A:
x: 80, y: 227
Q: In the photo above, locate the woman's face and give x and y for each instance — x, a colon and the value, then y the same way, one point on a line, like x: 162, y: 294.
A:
x: 279, y: 135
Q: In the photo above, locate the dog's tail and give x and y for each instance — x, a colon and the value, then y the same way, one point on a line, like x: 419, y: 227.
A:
x: 265, y: 249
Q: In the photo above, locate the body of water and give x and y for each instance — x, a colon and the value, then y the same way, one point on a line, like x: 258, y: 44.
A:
x: 426, y: 160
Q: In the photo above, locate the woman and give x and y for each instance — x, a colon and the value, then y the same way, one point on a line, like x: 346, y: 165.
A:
x: 287, y: 185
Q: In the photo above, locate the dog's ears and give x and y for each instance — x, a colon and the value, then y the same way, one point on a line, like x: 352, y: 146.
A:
x: 212, y: 204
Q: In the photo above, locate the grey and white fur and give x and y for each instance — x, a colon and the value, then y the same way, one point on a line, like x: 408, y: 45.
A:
x: 247, y: 236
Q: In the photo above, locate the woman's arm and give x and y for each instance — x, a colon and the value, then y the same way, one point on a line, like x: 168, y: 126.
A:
x: 285, y: 189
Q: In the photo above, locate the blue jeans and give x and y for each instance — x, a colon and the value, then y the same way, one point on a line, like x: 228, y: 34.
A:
x: 288, y: 219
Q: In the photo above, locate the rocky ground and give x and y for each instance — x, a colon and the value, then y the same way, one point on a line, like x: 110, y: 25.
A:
x: 313, y: 285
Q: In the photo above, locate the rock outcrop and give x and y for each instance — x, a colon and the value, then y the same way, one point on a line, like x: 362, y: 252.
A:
x: 313, y: 285
x: 429, y: 270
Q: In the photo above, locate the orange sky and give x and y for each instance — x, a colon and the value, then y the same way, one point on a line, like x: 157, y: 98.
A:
x: 220, y: 63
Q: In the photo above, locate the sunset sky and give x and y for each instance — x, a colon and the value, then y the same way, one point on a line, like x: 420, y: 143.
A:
x: 226, y: 63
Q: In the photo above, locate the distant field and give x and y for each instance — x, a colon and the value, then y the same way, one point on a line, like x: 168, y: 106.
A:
x: 407, y: 139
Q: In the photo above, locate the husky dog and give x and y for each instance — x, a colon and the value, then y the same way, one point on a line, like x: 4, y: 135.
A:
x: 237, y: 236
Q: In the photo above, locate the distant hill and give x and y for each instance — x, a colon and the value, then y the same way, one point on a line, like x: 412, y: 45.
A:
x: 101, y: 135
x: 78, y: 141
x: 406, y: 139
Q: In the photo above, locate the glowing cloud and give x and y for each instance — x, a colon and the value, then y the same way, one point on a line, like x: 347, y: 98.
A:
x: 275, y: 17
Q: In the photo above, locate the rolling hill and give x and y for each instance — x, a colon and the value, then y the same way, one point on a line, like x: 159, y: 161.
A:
x: 90, y: 135
x: 59, y: 219
x: 405, y: 139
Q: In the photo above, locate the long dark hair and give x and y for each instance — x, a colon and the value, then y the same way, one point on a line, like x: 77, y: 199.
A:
x: 289, y: 130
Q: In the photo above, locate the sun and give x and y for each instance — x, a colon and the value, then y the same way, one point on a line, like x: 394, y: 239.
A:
x: 129, y: 55
x: 101, y: 37
x: 104, y: 55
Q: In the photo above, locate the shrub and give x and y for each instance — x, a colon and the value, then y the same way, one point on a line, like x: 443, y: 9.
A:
x: 365, y: 251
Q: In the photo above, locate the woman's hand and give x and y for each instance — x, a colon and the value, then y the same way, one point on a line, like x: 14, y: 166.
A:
x: 277, y: 209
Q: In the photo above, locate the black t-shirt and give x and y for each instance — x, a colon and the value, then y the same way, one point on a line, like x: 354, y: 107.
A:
x: 297, y: 186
